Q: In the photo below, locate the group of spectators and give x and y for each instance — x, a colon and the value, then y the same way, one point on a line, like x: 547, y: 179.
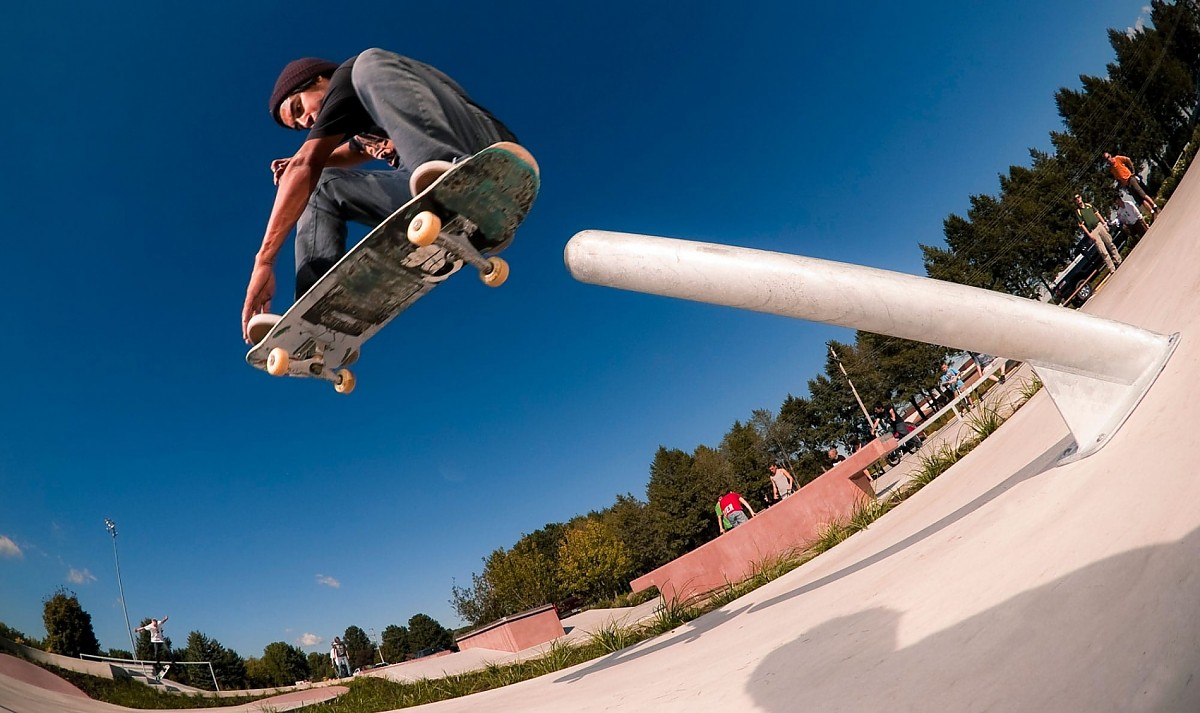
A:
x: 1094, y: 223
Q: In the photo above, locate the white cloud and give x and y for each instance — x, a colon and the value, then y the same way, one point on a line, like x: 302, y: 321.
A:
x: 309, y: 640
x: 8, y: 548
x: 328, y: 581
x: 80, y: 576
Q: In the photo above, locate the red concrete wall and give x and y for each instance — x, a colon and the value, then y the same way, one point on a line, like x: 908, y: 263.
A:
x: 517, y: 632
x: 773, y: 532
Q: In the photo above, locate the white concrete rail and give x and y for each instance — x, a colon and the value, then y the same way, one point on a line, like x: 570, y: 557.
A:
x: 1095, y: 369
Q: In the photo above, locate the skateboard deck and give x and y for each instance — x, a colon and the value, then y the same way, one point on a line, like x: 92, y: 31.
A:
x: 466, y: 216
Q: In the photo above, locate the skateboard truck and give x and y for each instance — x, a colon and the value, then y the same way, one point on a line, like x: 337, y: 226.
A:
x: 280, y: 363
x: 425, y: 229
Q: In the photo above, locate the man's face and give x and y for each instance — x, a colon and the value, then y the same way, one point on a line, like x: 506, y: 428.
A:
x: 299, y: 111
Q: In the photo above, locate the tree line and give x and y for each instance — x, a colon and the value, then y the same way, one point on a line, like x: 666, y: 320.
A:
x: 69, y: 632
x: 1015, y: 242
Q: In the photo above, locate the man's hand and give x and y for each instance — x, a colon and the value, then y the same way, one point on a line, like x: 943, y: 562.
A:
x: 258, y: 294
x: 278, y: 166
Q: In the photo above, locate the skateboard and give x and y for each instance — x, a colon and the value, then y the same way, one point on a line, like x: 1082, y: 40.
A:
x: 466, y: 216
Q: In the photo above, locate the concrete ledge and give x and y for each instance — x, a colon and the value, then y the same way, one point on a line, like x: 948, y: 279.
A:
x: 781, y: 528
x: 516, y: 632
x: 70, y: 663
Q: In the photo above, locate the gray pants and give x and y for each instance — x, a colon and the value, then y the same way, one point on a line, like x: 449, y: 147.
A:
x: 1106, y: 246
x: 427, y: 116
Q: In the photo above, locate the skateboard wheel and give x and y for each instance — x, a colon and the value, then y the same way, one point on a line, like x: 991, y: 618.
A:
x: 343, y: 382
x: 497, y: 275
x: 424, y: 228
x: 277, y: 361
x: 351, y: 359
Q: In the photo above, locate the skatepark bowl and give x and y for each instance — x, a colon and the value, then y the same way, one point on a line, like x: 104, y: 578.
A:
x: 1013, y: 582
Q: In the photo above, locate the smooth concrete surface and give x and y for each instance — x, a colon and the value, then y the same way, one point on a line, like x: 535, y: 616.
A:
x: 1008, y: 584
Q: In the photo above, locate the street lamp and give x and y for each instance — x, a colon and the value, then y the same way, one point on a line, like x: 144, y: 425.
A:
x: 378, y: 646
x: 112, y: 530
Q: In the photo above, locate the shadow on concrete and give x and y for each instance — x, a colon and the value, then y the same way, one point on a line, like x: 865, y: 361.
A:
x: 1039, y: 465
x: 1118, y: 635
x: 687, y: 633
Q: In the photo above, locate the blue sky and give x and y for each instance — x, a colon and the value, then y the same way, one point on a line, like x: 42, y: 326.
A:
x: 256, y: 509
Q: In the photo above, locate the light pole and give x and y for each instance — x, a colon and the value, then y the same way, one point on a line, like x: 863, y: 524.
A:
x: 378, y: 647
x: 112, y: 530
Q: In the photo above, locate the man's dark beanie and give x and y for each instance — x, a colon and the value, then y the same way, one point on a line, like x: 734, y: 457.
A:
x: 296, y: 74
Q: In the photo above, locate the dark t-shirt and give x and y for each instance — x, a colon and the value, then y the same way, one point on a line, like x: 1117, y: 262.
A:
x: 342, y: 112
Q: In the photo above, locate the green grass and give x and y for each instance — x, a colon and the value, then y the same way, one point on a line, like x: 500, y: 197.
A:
x: 984, y: 419
x: 611, y: 637
x: 935, y: 462
x: 1028, y: 388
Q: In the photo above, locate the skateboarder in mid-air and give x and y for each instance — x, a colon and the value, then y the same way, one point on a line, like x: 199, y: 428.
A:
x: 376, y: 104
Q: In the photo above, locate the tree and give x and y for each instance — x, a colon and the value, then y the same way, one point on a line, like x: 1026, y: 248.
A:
x: 1159, y: 81
x: 639, y: 530
x: 227, y: 665
x: 795, y: 438
x: 682, y: 499
x: 1013, y: 242
x: 512, y: 580
x: 397, y: 644
x: 320, y: 667
x: 742, y: 448
x: 908, y: 367
x: 425, y: 632
x: 17, y: 637
x: 359, y: 648
x: 593, y: 562
x: 281, y: 665
x: 68, y: 627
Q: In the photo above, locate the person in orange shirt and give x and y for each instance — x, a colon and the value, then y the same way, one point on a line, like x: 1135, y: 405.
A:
x: 1122, y: 170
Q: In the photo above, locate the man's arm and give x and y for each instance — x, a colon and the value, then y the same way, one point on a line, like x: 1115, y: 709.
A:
x: 344, y: 156
x: 743, y: 501
x: 298, y: 182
